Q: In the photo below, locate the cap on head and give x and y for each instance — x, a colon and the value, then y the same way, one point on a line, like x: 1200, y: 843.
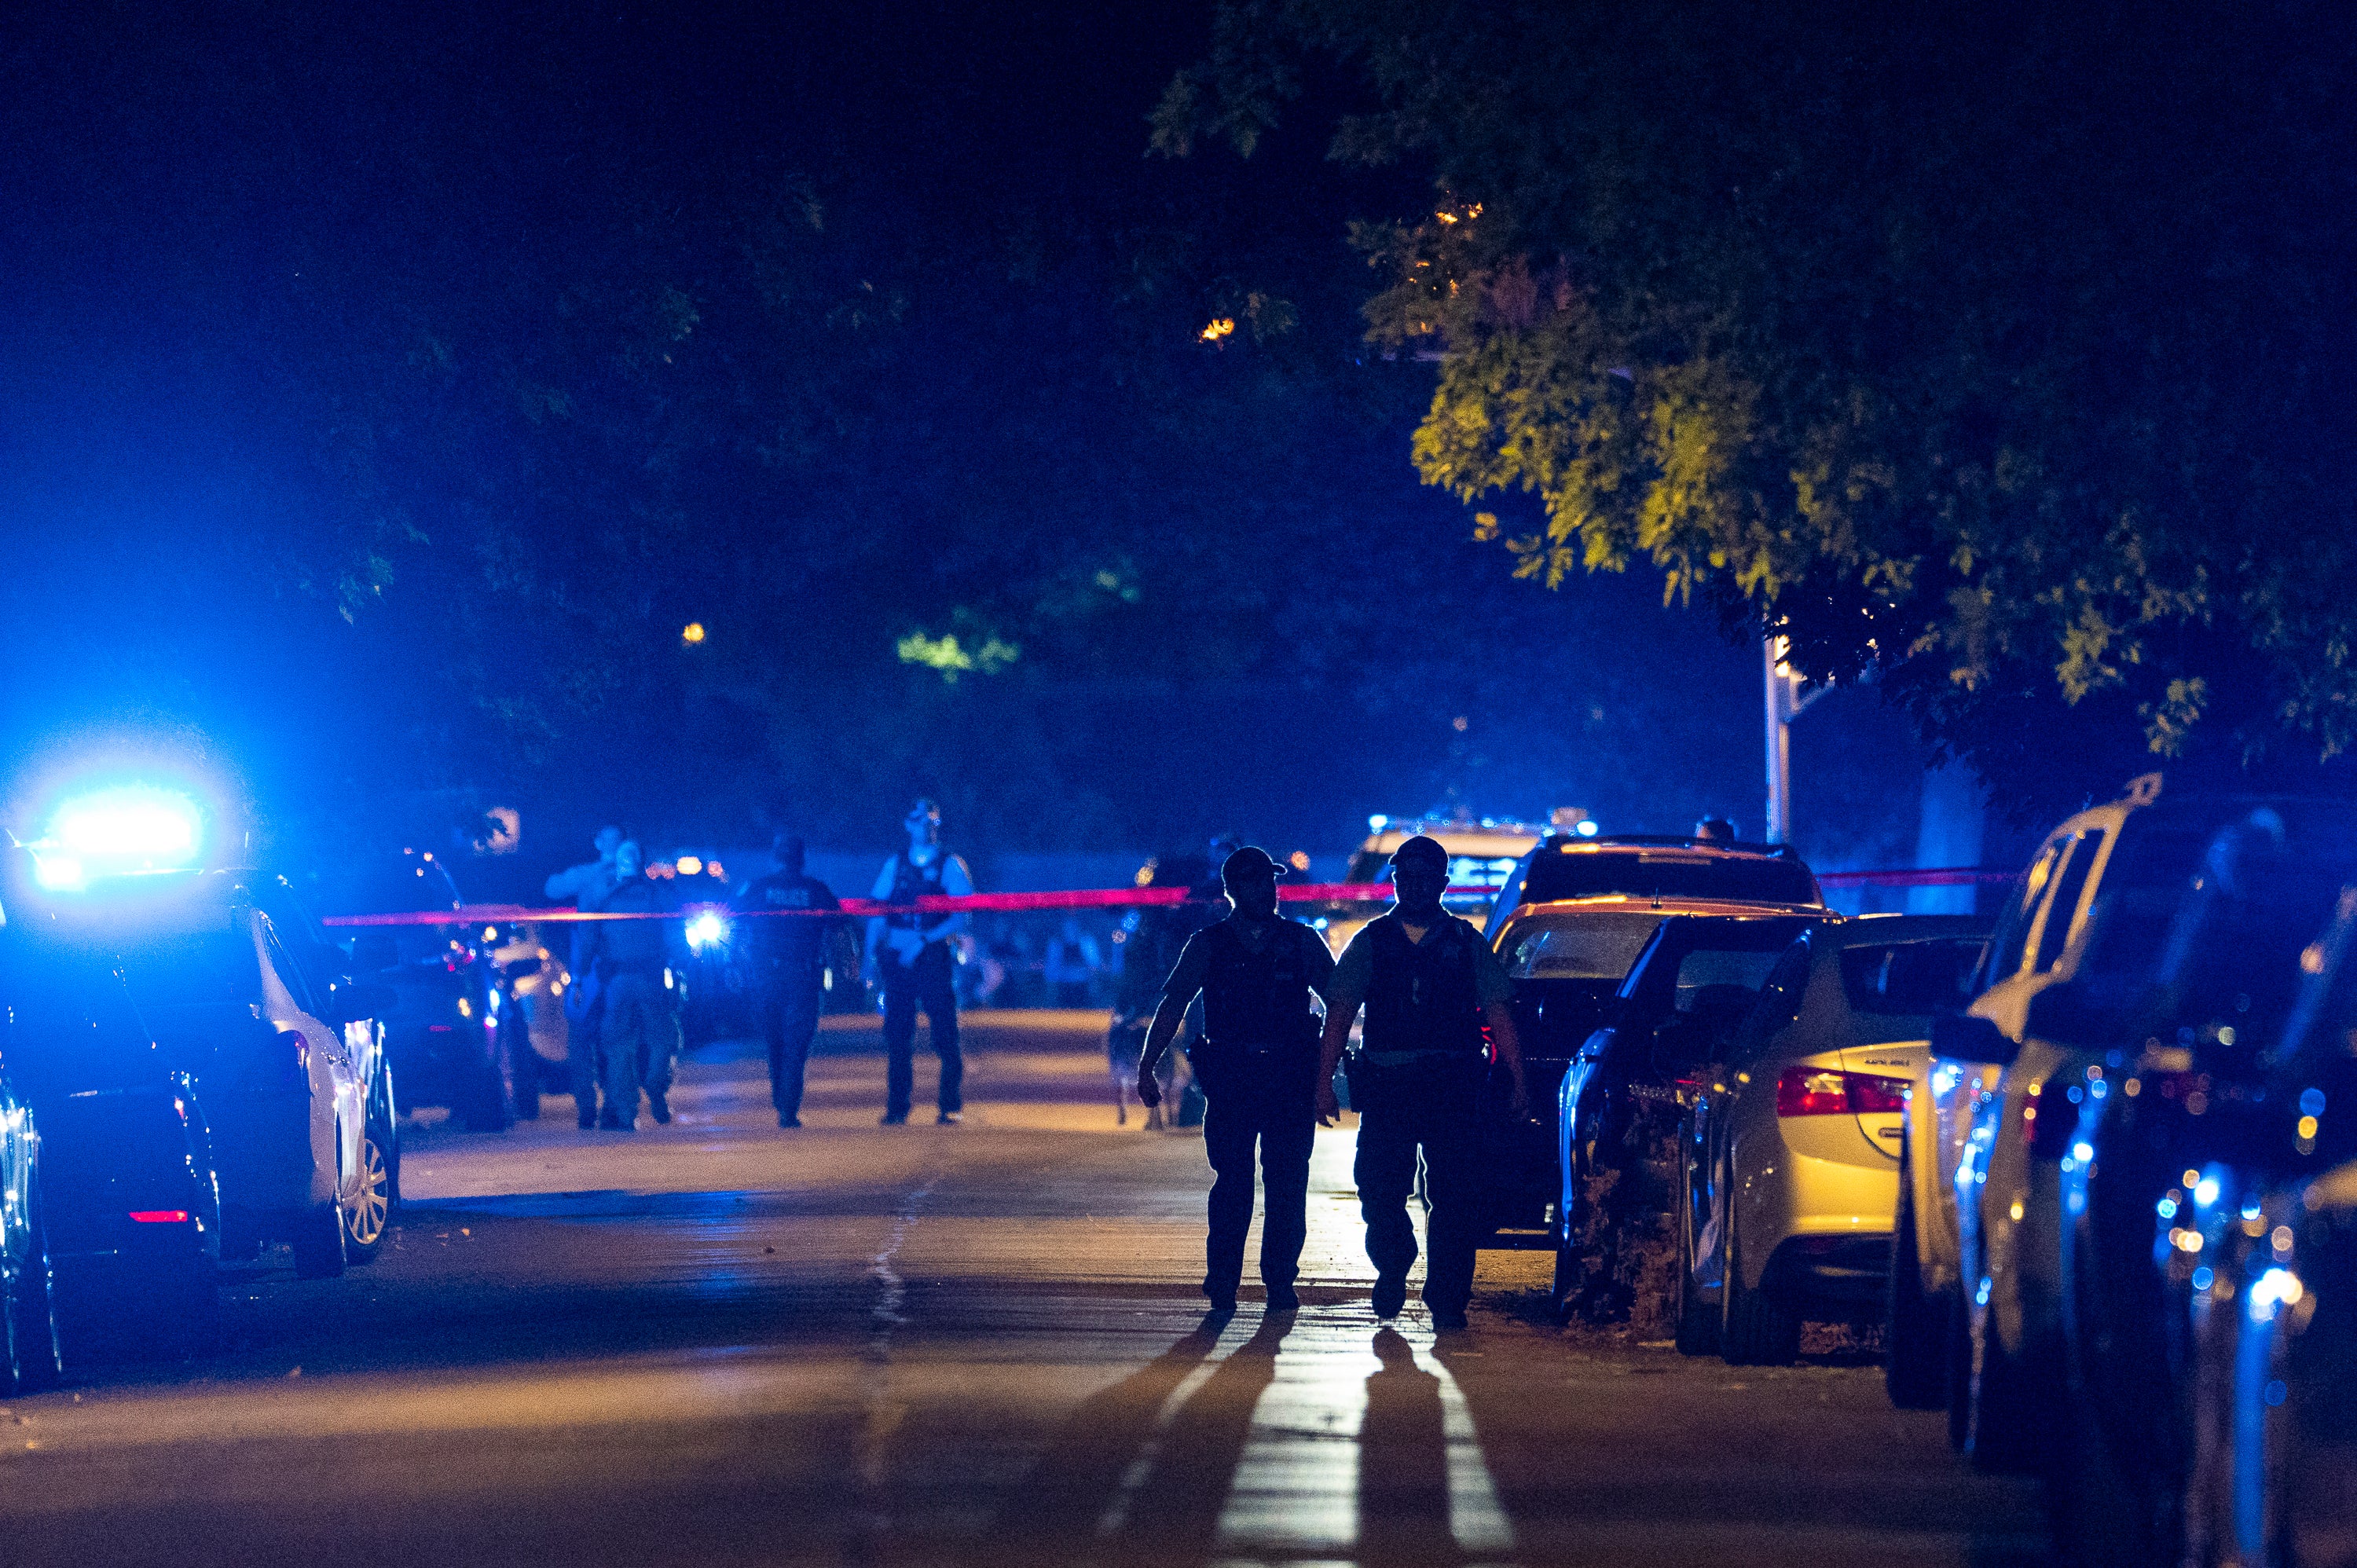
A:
x: 1421, y: 851
x: 787, y: 849
x: 926, y: 813
x: 1250, y: 864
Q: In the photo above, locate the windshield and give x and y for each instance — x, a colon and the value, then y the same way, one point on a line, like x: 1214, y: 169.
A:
x: 1910, y: 978
x: 1587, y: 872
x: 1598, y: 945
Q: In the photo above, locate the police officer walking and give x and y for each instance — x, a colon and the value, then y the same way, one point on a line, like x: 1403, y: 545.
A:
x: 789, y: 954
x: 909, y: 953
x: 587, y: 886
x: 1429, y: 984
x: 638, y: 1026
x: 1257, y: 1061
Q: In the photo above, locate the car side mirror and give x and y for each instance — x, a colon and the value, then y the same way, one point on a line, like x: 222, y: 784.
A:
x: 1962, y: 1037
x: 2063, y: 1014
x: 521, y: 969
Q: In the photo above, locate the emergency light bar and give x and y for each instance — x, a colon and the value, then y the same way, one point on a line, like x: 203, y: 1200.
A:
x: 115, y: 831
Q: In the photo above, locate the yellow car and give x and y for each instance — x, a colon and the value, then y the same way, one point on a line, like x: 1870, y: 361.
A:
x: 1792, y: 1149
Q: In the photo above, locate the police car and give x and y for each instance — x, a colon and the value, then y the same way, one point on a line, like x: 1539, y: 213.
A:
x: 281, y: 1054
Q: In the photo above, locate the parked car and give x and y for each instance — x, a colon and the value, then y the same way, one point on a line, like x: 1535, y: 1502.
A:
x: 131, y: 1206
x: 2197, y: 1165
x: 1567, y: 866
x: 453, y: 1034
x: 1623, y: 1102
x: 29, y: 1352
x: 1567, y: 960
x: 1977, y: 1190
x: 1792, y: 1146
x: 285, y: 1054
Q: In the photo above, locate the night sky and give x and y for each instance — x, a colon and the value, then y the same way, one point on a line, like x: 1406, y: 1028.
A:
x: 383, y: 393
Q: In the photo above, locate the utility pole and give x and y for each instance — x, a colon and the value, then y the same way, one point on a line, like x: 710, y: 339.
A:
x: 1785, y: 700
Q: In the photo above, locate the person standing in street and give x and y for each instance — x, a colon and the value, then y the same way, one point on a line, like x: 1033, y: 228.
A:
x: 1258, y: 975
x: 1429, y: 985
x: 638, y: 1026
x: 587, y: 886
x: 909, y: 955
x: 1075, y: 960
x: 788, y: 939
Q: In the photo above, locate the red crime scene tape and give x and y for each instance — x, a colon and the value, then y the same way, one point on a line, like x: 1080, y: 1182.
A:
x: 1078, y: 898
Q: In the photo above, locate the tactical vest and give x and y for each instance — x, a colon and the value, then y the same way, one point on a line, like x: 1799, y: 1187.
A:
x: 1256, y: 1001
x: 1421, y: 1000
x: 910, y: 881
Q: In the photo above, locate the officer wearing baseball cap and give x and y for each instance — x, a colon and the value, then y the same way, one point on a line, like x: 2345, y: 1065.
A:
x: 1429, y: 985
x: 1257, y: 1060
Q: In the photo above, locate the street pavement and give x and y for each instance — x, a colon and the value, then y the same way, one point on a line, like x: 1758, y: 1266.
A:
x: 719, y: 1343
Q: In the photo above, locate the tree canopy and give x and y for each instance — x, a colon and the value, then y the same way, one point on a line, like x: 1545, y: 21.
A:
x: 2001, y: 354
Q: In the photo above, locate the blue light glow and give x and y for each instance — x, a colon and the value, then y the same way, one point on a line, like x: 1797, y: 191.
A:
x: 115, y: 831
x: 2207, y: 1193
x: 707, y: 931
x: 1588, y: 830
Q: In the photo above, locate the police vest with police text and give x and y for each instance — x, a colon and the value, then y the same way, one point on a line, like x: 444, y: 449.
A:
x: 1421, y: 997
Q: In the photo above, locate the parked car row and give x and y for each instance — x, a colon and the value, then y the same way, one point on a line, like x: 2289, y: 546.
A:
x: 191, y: 1070
x: 2126, y: 1259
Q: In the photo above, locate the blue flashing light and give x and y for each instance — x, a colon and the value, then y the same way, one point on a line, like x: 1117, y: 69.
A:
x: 706, y: 929
x: 1588, y: 830
x: 1378, y: 822
x: 120, y: 829
x: 2206, y: 1193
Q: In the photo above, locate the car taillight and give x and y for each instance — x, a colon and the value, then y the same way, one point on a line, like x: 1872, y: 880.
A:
x: 1872, y: 1096
x: 159, y: 1216
x: 1824, y: 1091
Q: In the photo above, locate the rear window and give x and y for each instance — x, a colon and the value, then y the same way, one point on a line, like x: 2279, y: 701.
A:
x: 1589, y: 947
x: 66, y: 1023
x: 398, y: 888
x: 1667, y: 873
x: 1911, y: 979
x: 195, y: 971
x: 1712, y: 969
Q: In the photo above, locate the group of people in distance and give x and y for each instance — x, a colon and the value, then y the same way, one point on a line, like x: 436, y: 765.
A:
x: 1277, y: 1011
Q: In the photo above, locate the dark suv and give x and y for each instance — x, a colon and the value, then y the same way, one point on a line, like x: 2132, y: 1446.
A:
x: 453, y: 1035
x: 1668, y: 868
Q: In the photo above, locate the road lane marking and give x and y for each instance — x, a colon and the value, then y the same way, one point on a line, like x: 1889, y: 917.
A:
x: 872, y: 1517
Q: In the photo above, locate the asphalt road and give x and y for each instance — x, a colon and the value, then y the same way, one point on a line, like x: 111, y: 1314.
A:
x: 718, y: 1343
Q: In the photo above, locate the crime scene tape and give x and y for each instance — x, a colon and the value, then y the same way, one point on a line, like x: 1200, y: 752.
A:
x: 1075, y: 899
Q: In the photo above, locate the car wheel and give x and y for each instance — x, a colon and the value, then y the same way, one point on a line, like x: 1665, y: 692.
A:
x: 1697, y: 1322
x: 486, y: 1110
x: 1998, y: 1430
x: 320, y: 1244
x: 524, y: 1067
x: 1754, y: 1331
x: 1566, y: 1288
x: 371, y: 1210
x: 1915, y: 1335
x: 1958, y: 1365
x: 2103, y: 1514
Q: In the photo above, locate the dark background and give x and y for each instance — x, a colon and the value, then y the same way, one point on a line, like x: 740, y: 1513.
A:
x: 381, y: 393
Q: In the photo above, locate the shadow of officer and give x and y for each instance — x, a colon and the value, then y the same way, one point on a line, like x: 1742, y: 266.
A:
x: 1403, y: 1463
x: 1257, y: 1063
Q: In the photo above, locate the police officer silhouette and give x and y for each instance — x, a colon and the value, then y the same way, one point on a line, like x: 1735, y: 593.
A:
x: 1257, y: 1061
x: 1429, y: 985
